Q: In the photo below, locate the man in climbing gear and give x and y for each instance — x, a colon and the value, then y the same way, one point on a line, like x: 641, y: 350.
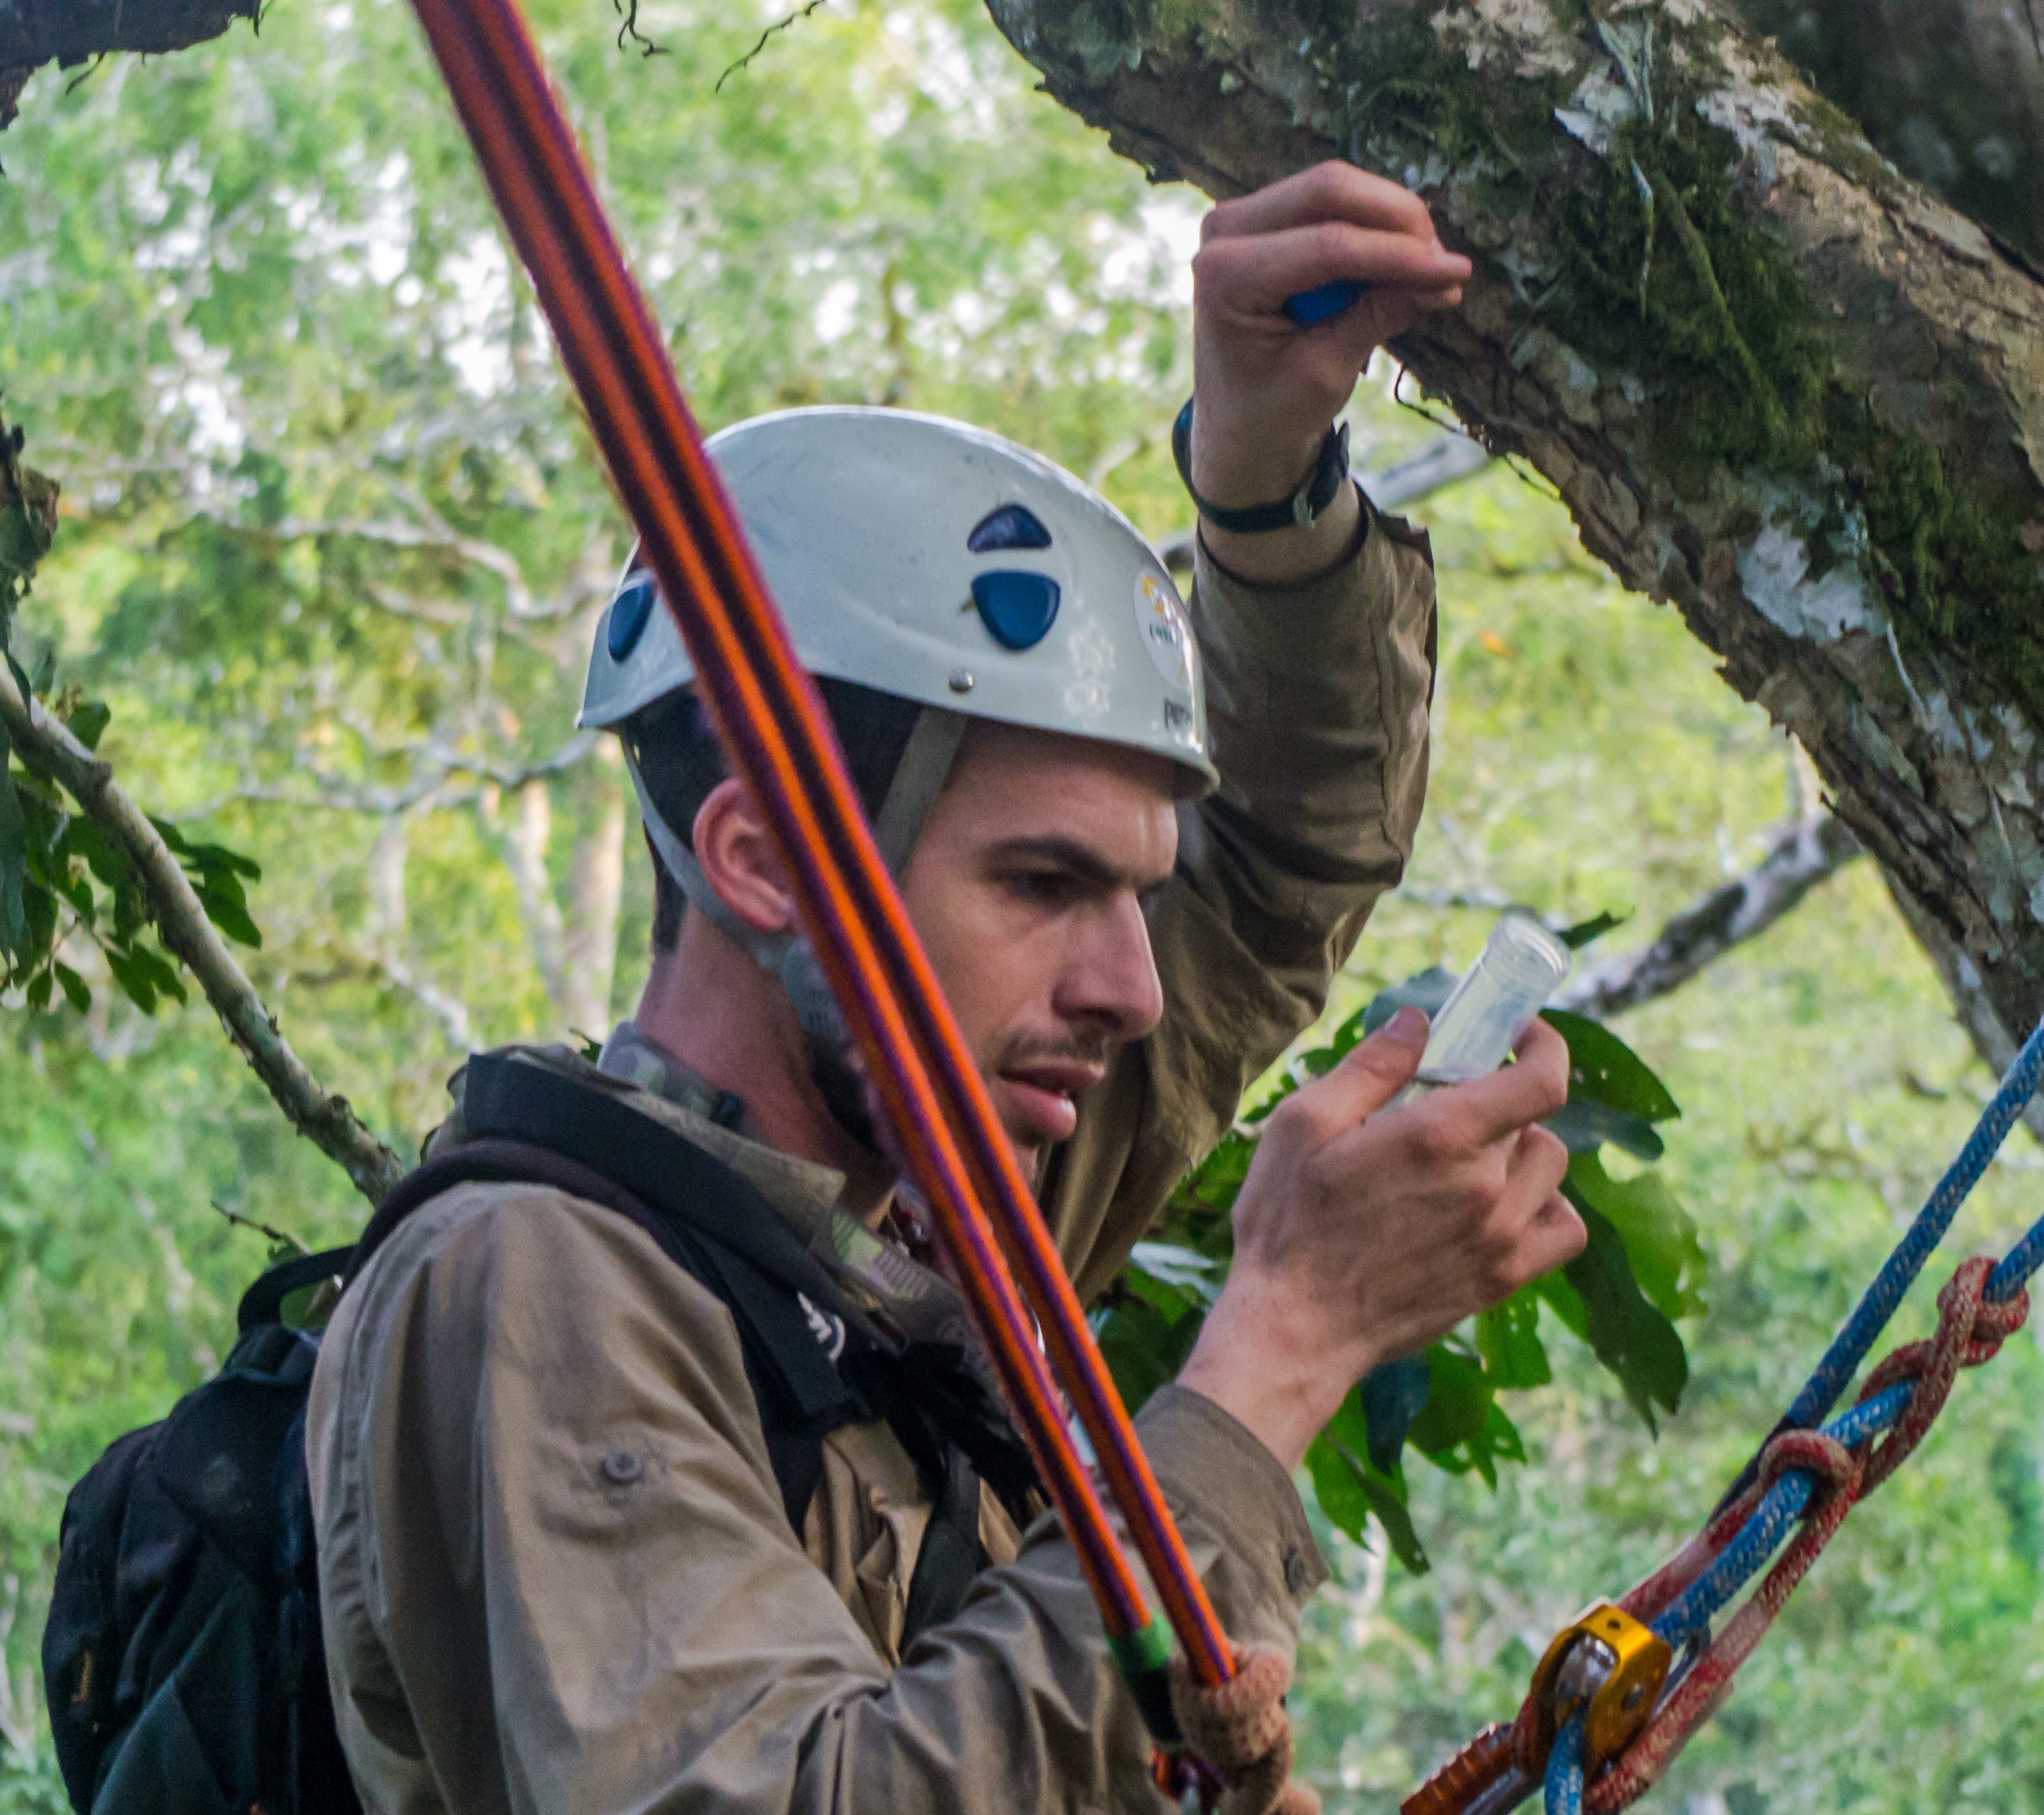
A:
x: 652, y: 1463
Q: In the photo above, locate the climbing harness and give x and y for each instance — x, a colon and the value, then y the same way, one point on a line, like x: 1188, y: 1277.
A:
x: 773, y: 726
x: 1607, y: 1713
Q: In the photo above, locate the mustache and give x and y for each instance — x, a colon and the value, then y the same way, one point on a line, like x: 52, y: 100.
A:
x: 1028, y: 1048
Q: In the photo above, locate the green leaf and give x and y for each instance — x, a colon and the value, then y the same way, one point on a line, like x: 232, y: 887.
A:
x: 74, y: 986
x: 1508, y: 1337
x: 1458, y: 1399
x: 1660, y: 1236
x: 171, y: 835
x: 1565, y: 1302
x: 217, y: 859
x: 89, y: 843
x: 87, y: 722
x: 227, y: 908
x: 1390, y: 1397
x: 1143, y: 1347
x: 37, y: 995
x: 145, y: 975
x: 1628, y: 1333
x: 1349, y: 1491
x: 1575, y: 938
x: 13, y: 863
x: 135, y: 980
x: 1584, y: 1125
x: 1214, y: 1181
x: 1602, y: 1067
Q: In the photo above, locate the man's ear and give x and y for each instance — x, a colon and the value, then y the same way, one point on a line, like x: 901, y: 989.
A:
x: 738, y: 860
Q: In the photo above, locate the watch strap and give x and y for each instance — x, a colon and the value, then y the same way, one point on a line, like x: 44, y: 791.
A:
x: 1301, y: 510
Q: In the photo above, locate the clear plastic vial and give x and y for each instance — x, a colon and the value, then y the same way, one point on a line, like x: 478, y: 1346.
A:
x: 1521, y: 964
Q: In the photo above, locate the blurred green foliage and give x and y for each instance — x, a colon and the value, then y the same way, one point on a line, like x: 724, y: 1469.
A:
x: 331, y: 545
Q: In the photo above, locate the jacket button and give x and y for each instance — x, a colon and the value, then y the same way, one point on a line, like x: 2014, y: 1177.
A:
x: 621, y: 1468
x: 1295, y: 1571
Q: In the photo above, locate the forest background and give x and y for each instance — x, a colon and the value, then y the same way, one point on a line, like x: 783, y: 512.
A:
x: 332, y: 547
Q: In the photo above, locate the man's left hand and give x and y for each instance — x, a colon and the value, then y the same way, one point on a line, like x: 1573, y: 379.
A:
x: 1268, y: 389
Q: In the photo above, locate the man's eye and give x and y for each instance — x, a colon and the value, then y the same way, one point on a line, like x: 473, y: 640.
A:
x: 1043, y: 886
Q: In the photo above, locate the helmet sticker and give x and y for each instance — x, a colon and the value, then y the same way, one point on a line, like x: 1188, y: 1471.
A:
x: 1160, y: 622
x: 629, y: 611
x: 1018, y: 609
x: 1011, y: 526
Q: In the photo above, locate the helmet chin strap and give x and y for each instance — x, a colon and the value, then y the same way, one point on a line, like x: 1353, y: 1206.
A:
x: 788, y: 957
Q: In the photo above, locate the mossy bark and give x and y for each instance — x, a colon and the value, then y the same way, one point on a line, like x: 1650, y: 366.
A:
x: 1779, y: 386
x: 1951, y: 91
x: 33, y: 33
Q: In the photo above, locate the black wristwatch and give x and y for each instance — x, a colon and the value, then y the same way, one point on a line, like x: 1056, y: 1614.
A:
x: 1316, y: 492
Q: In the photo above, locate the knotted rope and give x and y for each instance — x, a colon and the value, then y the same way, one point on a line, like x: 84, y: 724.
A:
x: 1801, y: 1479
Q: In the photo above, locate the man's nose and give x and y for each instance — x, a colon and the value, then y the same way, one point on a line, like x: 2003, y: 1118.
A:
x: 1109, y: 977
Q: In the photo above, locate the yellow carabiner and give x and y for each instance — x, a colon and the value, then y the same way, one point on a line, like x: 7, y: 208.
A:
x: 1608, y: 1667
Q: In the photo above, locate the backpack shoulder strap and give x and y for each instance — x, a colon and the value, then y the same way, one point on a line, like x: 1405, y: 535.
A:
x: 799, y: 1392
x: 263, y: 1302
x: 506, y: 1096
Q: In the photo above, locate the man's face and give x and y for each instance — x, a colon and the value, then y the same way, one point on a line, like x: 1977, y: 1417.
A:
x: 1027, y: 888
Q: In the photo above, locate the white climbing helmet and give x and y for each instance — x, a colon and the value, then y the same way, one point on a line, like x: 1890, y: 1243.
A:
x: 942, y: 566
x: 935, y: 562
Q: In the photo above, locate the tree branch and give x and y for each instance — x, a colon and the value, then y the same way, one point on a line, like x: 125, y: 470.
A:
x: 47, y: 748
x: 1803, y: 853
x: 33, y: 33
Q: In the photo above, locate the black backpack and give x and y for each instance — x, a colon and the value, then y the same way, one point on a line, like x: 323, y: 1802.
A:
x: 182, y: 1657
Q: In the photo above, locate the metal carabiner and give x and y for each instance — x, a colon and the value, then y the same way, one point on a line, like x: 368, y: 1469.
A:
x: 1609, y: 1668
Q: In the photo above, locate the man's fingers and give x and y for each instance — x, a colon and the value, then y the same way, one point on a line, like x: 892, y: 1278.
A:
x: 1510, y: 1100
x: 1553, y: 1238
x: 1371, y: 1074
x: 1330, y: 191
x: 1254, y: 277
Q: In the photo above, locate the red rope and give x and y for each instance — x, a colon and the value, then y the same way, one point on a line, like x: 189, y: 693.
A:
x: 772, y: 727
x: 1971, y: 1330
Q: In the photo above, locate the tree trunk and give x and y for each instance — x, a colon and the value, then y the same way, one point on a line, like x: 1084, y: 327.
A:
x: 33, y: 33
x: 1951, y: 91
x: 1777, y: 385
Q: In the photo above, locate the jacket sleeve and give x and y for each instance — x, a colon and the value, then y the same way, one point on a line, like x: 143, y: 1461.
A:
x: 557, y: 1576
x: 1317, y: 698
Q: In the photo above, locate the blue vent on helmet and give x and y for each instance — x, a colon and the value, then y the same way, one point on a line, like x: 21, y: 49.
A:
x: 1011, y: 526
x: 629, y: 614
x: 1018, y: 609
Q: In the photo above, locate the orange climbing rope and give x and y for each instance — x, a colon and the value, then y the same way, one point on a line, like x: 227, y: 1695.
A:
x: 774, y: 730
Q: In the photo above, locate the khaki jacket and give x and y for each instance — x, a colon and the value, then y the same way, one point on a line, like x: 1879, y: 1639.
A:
x: 555, y: 1572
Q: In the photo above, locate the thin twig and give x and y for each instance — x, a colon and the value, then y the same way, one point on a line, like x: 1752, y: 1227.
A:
x: 800, y: 14
x: 47, y: 748
x: 277, y: 1237
x: 628, y: 12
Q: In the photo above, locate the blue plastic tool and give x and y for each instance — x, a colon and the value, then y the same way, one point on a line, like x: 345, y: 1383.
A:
x: 1311, y: 307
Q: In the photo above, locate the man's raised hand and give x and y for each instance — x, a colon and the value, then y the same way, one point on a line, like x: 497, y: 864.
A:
x: 1362, y: 1233
x: 1266, y: 387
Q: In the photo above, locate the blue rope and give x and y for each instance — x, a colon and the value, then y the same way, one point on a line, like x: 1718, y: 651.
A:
x: 1564, y: 1771
x: 1842, y: 1360
x: 1691, y: 1612
x: 1689, y: 1618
